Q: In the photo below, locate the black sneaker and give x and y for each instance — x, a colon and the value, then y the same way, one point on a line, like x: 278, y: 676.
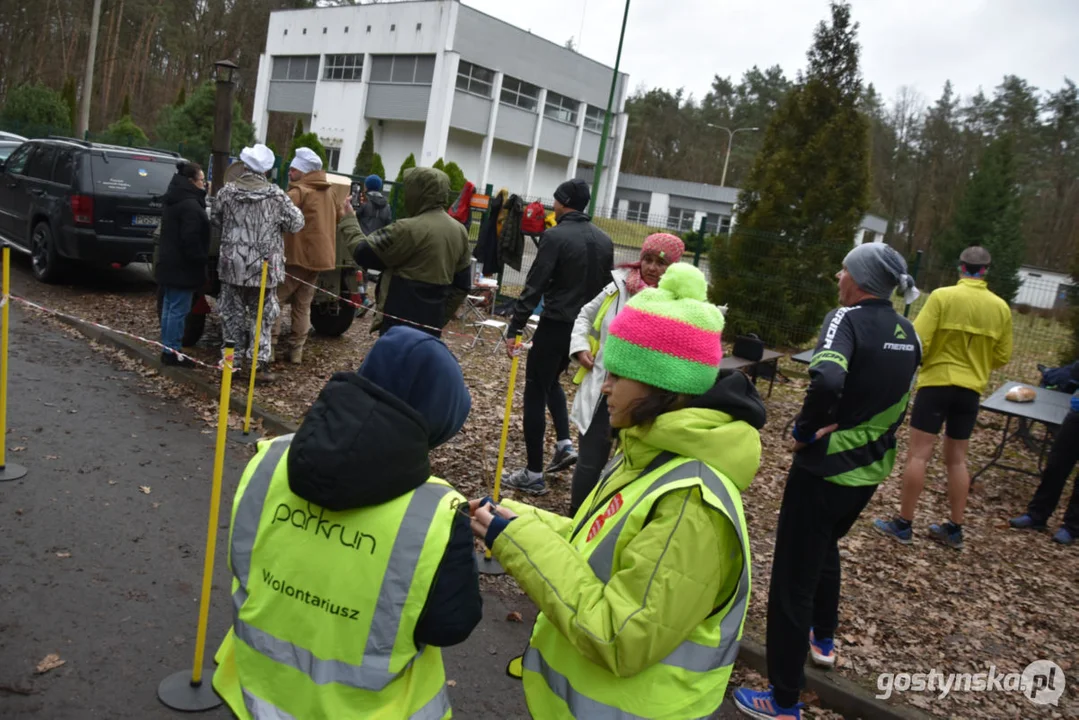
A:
x: 173, y: 360
x: 564, y: 458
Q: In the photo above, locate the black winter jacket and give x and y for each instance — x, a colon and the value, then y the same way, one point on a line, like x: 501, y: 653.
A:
x: 374, y: 214
x: 361, y: 446
x: 185, y: 237
x: 572, y: 265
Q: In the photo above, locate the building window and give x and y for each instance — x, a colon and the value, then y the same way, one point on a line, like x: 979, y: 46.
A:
x: 679, y: 219
x: 561, y: 108
x: 475, y: 79
x: 343, y: 67
x: 333, y: 158
x: 637, y: 212
x: 716, y: 223
x: 593, y: 118
x: 519, y: 93
x: 297, y: 68
x: 403, y: 69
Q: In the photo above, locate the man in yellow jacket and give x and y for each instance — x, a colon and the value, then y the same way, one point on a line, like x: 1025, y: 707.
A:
x: 966, y: 333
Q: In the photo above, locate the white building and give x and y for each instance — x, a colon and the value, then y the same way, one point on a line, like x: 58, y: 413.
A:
x: 1042, y: 289
x: 680, y: 205
x: 441, y: 80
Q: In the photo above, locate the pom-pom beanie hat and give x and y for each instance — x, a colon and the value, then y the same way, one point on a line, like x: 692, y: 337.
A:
x: 669, y: 336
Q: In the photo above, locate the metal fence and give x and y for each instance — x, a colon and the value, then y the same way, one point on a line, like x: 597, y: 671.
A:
x: 1041, y: 322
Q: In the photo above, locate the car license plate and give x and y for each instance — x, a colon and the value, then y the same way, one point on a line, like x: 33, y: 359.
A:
x: 146, y: 220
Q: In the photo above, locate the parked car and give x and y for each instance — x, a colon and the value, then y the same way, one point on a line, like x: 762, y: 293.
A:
x: 64, y: 200
x: 330, y: 316
x: 12, y: 136
x: 7, y: 147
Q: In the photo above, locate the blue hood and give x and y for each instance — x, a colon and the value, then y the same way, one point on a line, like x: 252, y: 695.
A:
x: 421, y: 371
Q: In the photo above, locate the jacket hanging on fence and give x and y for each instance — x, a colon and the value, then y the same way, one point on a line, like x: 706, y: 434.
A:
x: 486, y: 251
x: 511, y: 241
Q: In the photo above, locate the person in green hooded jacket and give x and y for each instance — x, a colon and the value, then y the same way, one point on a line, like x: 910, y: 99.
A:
x: 424, y: 257
x: 643, y: 593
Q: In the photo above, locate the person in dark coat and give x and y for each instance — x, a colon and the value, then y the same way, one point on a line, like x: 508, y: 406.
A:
x: 375, y: 212
x: 572, y: 265
x: 182, y: 256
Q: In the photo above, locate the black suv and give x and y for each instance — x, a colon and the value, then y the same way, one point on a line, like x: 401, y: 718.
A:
x: 63, y: 199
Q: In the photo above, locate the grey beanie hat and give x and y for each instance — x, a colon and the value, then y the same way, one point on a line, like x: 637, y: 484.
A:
x: 880, y: 270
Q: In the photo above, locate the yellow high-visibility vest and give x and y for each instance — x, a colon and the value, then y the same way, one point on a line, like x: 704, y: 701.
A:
x: 560, y: 684
x: 325, y: 603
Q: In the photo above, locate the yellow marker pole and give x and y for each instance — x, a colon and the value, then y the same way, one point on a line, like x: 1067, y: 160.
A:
x: 215, y: 506
x: 258, y: 338
x: 13, y: 471
x: 182, y: 690
x: 488, y: 565
x: 506, y: 420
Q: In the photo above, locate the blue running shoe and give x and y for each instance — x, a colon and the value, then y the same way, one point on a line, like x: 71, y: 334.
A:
x: 940, y: 534
x: 822, y: 651
x: 761, y: 704
x: 891, y: 529
x: 1063, y: 536
x: 1026, y: 522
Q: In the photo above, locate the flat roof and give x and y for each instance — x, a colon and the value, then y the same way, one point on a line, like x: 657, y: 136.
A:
x: 684, y: 188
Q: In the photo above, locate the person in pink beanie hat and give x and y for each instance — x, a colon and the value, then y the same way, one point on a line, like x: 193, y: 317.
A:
x: 643, y: 593
x: 658, y: 252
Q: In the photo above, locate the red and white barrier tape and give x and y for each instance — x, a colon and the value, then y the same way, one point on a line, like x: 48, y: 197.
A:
x: 524, y: 346
x: 155, y: 343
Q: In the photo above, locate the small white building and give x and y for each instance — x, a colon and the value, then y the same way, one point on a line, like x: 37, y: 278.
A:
x: 439, y: 79
x: 680, y: 205
x: 1042, y: 289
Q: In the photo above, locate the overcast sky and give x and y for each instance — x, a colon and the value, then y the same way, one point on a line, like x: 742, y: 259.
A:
x: 920, y: 43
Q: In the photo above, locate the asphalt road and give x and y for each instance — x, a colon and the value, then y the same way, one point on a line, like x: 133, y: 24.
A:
x: 101, y: 544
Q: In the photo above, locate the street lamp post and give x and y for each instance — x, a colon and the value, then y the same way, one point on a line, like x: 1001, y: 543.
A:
x: 730, y: 141
x: 224, y: 72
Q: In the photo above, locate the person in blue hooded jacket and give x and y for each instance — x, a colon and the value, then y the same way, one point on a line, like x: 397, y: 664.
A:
x: 352, y: 565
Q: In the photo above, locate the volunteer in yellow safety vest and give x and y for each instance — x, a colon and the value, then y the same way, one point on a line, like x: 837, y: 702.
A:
x: 644, y: 592
x: 589, y: 412
x: 351, y: 564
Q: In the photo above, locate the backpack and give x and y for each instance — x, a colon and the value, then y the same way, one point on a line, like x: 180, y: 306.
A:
x: 461, y: 210
x: 534, y: 219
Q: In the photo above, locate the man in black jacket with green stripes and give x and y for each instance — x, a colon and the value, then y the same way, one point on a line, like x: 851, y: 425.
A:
x: 860, y: 380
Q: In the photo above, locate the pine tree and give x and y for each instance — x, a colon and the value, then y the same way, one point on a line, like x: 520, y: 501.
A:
x: 439, y: 165
x: 377, y: 168
x: 804, y: 199
x: 299, y: 128
x: 397, y: 195
x: 125, y: 110
x: 181, y: 97
x: 990, y: 215
x: 366, y: 155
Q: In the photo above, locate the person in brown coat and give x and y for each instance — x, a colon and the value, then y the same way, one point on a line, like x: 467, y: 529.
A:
x: 311, y: 250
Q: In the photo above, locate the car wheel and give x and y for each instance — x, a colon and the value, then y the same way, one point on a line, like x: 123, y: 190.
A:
x: 333, y: 320
x: 48, y: 266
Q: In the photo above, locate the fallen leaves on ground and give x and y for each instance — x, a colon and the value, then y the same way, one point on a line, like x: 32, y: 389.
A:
x: 515, y: 617
x: 144, y: 489
x: 63, y: 554
x: 1005, y: 601
x: 49, y: 662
